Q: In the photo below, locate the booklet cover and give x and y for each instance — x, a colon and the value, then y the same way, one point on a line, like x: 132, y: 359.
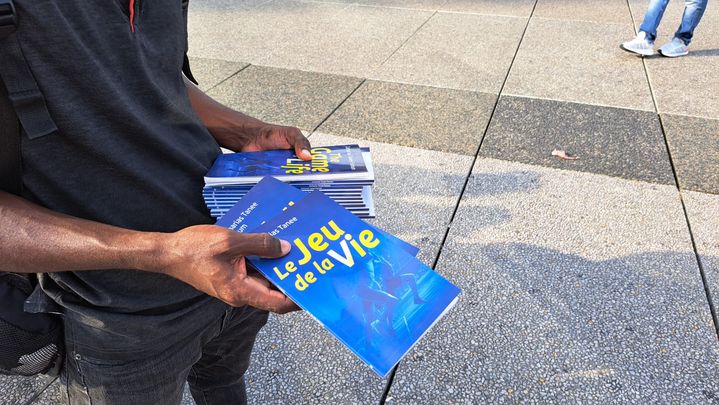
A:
x: 331, y: 162
x: 372, y: 295
x: 269, y: 198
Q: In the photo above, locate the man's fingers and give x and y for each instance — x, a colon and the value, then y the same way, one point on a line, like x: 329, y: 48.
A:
x: 260, y: 244
x: 258, y: 295
x: 301, y: 144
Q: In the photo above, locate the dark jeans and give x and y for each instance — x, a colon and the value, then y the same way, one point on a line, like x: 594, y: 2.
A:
x: 115, y: 367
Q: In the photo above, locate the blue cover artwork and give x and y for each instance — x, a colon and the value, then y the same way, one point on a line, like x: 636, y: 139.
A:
x: 371, y: 294
x: 337, y: 159
x: 269, y: 198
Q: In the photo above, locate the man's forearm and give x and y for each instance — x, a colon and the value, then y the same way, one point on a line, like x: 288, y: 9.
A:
x: 222, y: 121
x: 35, y: 239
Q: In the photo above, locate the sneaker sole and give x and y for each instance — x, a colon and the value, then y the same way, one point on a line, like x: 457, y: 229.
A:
x: 642, y: 53
x: 676, y: 55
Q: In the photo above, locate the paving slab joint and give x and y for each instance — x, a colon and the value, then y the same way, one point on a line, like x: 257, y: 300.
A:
x: 700, y: 266
x: 388, y: 386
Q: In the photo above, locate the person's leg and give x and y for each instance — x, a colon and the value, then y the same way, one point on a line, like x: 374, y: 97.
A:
x: 653, y: 17
x: 218, y: 378
x: 693, y: 12
x: 103, y: 366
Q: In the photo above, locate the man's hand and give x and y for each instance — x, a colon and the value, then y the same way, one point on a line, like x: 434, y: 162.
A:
x: 212, y: 259
x: 263, y: 136
x: 241, y: 133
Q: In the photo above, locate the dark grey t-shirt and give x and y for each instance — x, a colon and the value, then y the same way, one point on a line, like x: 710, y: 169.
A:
x: 129, y: 152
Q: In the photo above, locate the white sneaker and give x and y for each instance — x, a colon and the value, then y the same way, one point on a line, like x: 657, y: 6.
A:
x: 675, y: 48
x: 639, y: 45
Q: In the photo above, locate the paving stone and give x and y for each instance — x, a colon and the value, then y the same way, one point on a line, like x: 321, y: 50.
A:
x: 288, y: 97
x: 425, y: 117
x: 580, y: 62
x: 584, y: 290
x: 16, y: 390
x: 232, y: 30
x: 459, y: 51
x: 210, y: 72
x: 611, y: 141
x: 685, y: 85
x: 432, y: 5
x: 295, y: 360
x: 353, y: 42
x: 187, y: 396
x: 610, y: 11
x: 519, y: 8
x: 51, y: 396
x: 703, y: 216
x: 694, y: 146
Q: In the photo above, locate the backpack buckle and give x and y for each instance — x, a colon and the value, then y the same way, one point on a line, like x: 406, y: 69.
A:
x: 8, y: 18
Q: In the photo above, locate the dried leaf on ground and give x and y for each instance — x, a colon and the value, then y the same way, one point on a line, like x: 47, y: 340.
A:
x: 563, y: 155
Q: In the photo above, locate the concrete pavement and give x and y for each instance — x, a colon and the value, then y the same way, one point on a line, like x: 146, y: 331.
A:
x: 586, y: 281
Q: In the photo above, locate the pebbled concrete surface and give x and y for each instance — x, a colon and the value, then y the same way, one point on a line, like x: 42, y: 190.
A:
x: 601, y: 11
x: 682, y: 85
x: 15, y: 390
x: 295, y: 360
x: 361, y: 39
x: 585, y: 290
x: 580, y: 62
x: 438, y: 55
x: 612, y: 141
x: 703, y: 215
x: 287, y: 97
x: 210, y: 72
x: 694, y: 145
x: 417, y: 116
x: 517, y: 8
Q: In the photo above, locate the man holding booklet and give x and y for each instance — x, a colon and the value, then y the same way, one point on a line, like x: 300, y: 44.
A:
x: 112, y: 215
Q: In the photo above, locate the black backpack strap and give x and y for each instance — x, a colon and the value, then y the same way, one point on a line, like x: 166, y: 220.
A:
x: 20, y: 83
x: 10, y: 164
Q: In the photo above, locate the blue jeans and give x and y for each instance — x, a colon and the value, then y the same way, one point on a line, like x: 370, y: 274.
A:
x: 693, y: 12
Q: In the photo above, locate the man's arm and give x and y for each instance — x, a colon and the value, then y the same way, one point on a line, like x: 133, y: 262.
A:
x: 242, y: 133
x: 210, y: 258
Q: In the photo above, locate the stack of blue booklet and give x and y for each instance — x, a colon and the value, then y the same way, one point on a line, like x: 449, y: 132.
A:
x: 343, y: 172
x: 365, y: 286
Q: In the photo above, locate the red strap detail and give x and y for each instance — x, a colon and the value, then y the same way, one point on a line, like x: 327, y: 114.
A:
x: 132, y: 15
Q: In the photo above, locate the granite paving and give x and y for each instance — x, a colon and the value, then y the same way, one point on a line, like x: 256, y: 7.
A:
x: 432, y: 5
x: 694, y: 145
x: 684, y: 85
x: 703, y: 216
x: 611, y: 141
x: 581, y: 62
x: 287, y: 97
x: 439, y: 54
x: 517, y: 8
x: 220, y: 29
x: 362, y: 38
x: 417, y: 116
x: 602, y: 11
x: 211, y: 72
x: 295, y: 359
x: 580, y: 280
x: 584, y: 290
x: 15, y: 390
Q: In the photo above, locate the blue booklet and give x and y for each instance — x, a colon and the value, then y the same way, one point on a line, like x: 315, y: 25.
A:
x: 372, y: 295
x: 269, y: 198
x: 339, y: 162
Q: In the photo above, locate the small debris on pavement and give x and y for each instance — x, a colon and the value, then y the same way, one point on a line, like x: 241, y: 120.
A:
x: 563, y: 155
